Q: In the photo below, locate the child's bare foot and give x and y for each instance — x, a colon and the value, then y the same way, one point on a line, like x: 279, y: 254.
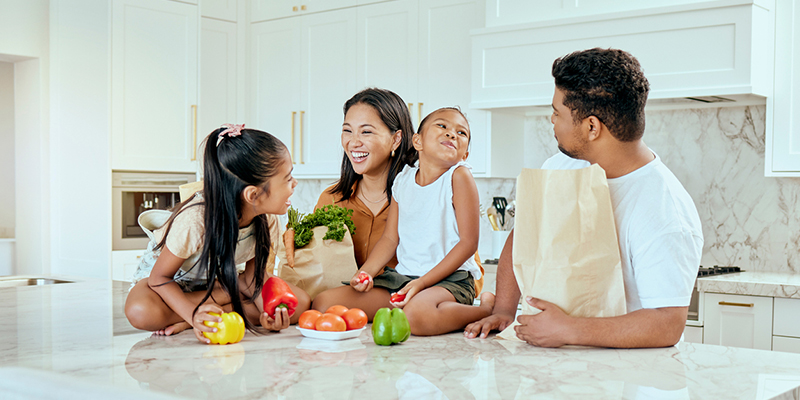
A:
x: 487, y: 300
x: 173, y: 329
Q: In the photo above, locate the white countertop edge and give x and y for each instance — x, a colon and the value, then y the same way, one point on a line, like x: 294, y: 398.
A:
x: 773, y: 284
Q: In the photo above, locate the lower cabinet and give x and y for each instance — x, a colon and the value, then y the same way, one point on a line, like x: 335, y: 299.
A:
x: 124, y: 264
x: 787, y: 344
x: 693, y: 334
x: 738, y: 321
x: 786, y: 328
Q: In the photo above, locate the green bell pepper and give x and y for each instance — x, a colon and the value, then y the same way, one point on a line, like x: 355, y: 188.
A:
x: 390, y: 327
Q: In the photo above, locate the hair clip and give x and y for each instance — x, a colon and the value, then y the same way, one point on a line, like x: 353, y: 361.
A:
x: 231, y: 130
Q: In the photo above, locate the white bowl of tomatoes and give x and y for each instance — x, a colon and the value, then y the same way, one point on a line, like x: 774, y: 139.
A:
x: 336, y: 323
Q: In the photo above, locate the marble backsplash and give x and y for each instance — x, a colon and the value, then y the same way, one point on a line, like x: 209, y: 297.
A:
x: 718, y: 155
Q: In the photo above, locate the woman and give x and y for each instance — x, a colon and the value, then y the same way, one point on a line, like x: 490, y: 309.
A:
x: 376, y: 138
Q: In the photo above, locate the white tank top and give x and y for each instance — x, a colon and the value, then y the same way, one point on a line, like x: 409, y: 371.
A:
x: 426, y: 223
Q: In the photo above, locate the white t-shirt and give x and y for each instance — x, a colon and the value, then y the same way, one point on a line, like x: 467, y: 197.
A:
x: 426, y: 222
x: 660, y: 236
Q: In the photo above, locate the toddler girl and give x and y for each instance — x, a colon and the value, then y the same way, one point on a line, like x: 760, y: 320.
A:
x: 433, y: 229
x: 190, y: 267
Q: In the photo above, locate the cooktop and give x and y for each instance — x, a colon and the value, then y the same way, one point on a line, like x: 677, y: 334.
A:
x: 718, y: 270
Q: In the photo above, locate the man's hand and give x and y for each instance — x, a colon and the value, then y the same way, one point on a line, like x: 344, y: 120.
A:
x: 482, y: 328
x: 550, y: 328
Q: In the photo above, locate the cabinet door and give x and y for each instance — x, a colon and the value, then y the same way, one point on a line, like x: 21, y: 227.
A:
x: 275, y: 81
x: 263, y: 10
x: 738, y: 321
x: 787, y: 344
x: 218, y: 90
x: 124, y: 264
x: 328, y: 79
x: 783, y: 124
x: 154, y: 85
x: 388, y: 48
x: 445, y: 68
x: 219, y: 9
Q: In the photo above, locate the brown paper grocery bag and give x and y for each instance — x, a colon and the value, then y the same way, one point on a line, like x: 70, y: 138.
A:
x: 319, y: 265
x: 565, y: 244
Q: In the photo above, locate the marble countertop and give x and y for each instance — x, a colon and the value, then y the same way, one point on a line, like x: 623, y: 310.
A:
x: 73, y: 338
x: 773, y: 284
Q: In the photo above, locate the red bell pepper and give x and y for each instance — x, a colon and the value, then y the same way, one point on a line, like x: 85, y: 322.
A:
x: 277, y: 294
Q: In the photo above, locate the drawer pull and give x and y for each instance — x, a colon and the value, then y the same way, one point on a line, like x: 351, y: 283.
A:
x: 725, y: 303
x: 138, y: 257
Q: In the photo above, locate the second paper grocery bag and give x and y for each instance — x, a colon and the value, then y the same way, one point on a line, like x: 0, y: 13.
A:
x: 565, y: 243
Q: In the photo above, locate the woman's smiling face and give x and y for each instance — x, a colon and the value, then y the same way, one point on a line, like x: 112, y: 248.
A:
x: 366, y: 140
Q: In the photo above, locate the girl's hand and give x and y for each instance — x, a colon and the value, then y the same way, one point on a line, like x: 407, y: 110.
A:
x: 410, y: 290
x: 281, y: 320
x: 361, y: 281
x: 201, y: 315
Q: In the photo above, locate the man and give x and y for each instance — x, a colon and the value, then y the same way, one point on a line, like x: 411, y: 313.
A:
x: 598, y: 118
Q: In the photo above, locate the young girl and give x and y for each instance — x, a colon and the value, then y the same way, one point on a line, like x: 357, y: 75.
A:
x: 190, y: 268
x: 433, y: 229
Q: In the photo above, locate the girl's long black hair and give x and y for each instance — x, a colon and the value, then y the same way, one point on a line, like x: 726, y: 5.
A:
x: 394, y: 113
x: 237, y: 162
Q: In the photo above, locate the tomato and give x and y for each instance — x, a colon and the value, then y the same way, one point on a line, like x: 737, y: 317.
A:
x: 338, y: 310
x: 308, y: 319
x: 331, y: 322
x: 397, y: 297
x: 363, y: 277
x: 355, y: 318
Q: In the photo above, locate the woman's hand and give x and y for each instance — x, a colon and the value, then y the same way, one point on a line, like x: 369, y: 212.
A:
x: 201, y: 315
x: 361, y: 281
x: 281, y: 320
x: 410, y: 290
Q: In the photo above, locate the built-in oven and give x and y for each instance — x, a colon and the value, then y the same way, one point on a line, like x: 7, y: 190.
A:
x: 136, y: 192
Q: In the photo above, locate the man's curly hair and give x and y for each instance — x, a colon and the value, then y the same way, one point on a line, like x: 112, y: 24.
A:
x: 606, y: 83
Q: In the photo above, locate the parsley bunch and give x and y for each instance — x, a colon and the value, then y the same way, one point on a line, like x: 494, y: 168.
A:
x: 336, y: 218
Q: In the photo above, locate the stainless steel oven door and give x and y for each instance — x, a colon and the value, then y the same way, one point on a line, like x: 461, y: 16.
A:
x: 134, y: 193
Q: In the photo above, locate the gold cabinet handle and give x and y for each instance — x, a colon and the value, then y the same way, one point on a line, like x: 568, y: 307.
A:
x: 303, y: 7
x: 194, y: 132
x: 294, y: 8
x: 725, y: 303
x: 294, y: 161
x: 419, y: 113
x: 301, y: 136
x: 409, y: 107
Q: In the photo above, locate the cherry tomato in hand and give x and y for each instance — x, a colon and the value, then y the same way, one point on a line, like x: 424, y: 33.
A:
x: 331, y: 322
x: 397, y: 297
x: 308, y: 319
x: 363, y: 277
x: 355, y: 318
x: 338, y: 310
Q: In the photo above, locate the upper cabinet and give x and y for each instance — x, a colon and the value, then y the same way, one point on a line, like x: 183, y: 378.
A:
x: 783, y: 110
x: 226, y: 10
x: 154, y: 74
x: 303, y: 69
x: 721, y: 48
x: 264, y: 10
x: 417, y: 49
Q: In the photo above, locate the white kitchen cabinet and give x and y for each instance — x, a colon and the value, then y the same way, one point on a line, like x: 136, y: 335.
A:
x: 264, y: 10
x: 154, y: 80
x: 421, y: 50
x: 693, y: 334
x: 722, y: 48
x: 226, y: 10
x: 124, y: 264
x: 303, y: 70
x: 738, y: 321
x: 218, y: 77
x: 783, y: 123
x: 786, y: 344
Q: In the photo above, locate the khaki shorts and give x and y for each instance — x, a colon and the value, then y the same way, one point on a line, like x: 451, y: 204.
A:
x: 460, y: 284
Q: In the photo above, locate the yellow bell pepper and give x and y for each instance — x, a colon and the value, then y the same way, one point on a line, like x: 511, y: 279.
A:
x: 230, y: 330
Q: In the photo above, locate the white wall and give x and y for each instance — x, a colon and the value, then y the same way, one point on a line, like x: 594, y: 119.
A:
x: 80, y: 138
x: 24, y: 40
x: 6, y: 150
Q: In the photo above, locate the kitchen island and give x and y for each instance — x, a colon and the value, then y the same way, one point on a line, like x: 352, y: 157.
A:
x: 72, y: 338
